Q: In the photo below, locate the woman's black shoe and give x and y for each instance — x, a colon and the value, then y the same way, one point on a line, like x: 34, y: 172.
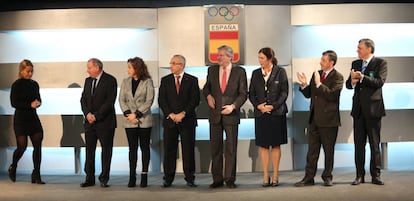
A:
x: 12, y: 173
x: 267, y: 184
x: 36, y: 178
x: 144, y: 180
x: 132, y: 182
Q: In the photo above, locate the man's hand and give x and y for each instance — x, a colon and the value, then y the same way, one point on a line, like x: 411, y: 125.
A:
x: 211, y: 102
x: 91, y: 118
x: 302, y: 79
x: 227, y: 109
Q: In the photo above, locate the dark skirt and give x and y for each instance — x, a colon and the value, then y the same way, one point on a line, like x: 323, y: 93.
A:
x: 26, y: 123
x: 270, y: 130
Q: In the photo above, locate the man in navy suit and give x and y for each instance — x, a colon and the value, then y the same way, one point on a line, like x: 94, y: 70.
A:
x: 368, y: 75
x: 179, y: 95
x: 226, y: 92
x: 97, y: 101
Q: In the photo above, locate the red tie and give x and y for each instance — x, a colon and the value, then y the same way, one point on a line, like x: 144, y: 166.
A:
x: 177, y: 84
x: 223, y: 81
x: 323, y: 77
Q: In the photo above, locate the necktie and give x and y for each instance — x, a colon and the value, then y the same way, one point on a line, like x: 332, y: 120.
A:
x: 323, y: 77
x: 223, y: 81
x: 93, y: 85
x: 364, y: 66
x: 177, y: 84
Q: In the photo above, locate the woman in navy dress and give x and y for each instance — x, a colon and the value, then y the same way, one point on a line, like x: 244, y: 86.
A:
x: 268, y: 92
x: 25, y: 98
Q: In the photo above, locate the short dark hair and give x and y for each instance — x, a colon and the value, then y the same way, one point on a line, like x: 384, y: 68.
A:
x: 369, y: 43
x: 331, y: 55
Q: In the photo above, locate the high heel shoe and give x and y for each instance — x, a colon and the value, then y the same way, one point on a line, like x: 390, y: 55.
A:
x: 132, y: 181
x: 12, y: 173
x: 36, y: 177
x: 144, y: 180
x: 276, y: 183
x: 267, y: 184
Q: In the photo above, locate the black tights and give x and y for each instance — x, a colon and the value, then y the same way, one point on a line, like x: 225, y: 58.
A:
x: 143, y: 135
x: 22, y: 145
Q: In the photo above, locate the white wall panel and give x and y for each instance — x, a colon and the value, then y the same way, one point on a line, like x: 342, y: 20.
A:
x: 352, y: 13
x: 181, y: 31
x: 78, y: 18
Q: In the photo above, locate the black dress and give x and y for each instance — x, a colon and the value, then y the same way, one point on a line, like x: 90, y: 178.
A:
x: 26, y: 120
x: 270, y: 129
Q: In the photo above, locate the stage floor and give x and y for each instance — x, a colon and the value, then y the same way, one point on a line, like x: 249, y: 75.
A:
x: 398, y: 187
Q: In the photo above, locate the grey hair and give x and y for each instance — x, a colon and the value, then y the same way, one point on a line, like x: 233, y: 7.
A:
x: 369, y: 43
x: 96, y: 62
x: 228, y: 49
x: 181, y: 57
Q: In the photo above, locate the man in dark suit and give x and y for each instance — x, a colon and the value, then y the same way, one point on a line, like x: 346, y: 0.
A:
x: 368, y: 75
x: 179, y: 95
x: 97, y: 101
x: 324, y: 90
x: 226, y: 92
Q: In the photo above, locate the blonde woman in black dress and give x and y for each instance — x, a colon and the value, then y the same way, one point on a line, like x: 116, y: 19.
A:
x: 25, y: 98
x: 268, y: 92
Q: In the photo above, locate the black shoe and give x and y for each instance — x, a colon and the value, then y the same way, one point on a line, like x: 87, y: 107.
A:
x: 276, y: 183
x: 144, y: 180
x: 36, y: 177
x: 12, y: 173
x: 305, y: 182
x: 231, y: 184
x: 358, y: 181
x: 216, y: 184
x: 327, y: 182
x: 191, y: 184
x: 166, y: 184
x: 267, y: 184
x: 87, y: 184
x: 377, y: 181
x: 132, y: 181
x: 104, y: 184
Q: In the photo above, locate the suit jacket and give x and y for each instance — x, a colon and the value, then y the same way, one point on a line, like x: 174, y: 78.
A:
x: 324, y: 107
x: 140, y: 103
x: 368, y: 100
x: 235, y: 93
x: 276, y: 93
x: 187, y: 100
x: 101, y: 103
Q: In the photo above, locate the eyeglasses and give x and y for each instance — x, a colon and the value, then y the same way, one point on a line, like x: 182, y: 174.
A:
x: 173, y: 63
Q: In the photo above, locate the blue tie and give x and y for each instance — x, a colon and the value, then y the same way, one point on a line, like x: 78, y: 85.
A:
x: 364, y: 66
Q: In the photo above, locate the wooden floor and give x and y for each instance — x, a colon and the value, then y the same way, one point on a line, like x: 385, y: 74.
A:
x: 398, y: 187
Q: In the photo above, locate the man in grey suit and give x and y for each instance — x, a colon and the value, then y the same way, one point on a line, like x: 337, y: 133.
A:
x: 226, y: 92
x: 97, y: 101
x: 368, y: 75
x: 324, y: 90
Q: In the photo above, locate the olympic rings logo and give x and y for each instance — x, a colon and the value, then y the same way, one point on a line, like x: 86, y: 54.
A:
x: 227, y: 13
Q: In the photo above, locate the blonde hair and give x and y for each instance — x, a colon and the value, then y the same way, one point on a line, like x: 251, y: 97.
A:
x: 23, y: 64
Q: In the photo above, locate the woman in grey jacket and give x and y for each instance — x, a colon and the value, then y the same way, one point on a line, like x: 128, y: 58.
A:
x: 135, y: 98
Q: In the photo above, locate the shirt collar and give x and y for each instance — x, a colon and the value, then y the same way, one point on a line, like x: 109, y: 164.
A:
x: 99, y: 76
x: 369, y: 58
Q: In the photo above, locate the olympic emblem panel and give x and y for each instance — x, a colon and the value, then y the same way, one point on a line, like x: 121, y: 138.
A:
x: 224, y: 25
